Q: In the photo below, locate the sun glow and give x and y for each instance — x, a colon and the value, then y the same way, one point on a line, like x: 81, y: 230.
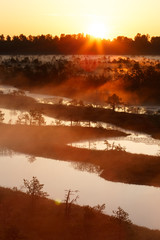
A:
x: 97, y: 30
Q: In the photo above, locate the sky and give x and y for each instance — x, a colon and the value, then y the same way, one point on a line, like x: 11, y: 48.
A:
x: 113, y: 18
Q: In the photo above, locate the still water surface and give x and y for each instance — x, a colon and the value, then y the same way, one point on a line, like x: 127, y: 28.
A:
x: 141, y: 202
x: 132, y: 146
x: 134, y: 143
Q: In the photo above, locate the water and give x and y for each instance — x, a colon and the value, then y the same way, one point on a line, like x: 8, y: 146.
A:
x: 131, y: 146
x: 41, y: 98
x: 7, y: 89
x: 133, y: 143
x: 11, y: 116
x: 50, y: 99
x: 141, y: 202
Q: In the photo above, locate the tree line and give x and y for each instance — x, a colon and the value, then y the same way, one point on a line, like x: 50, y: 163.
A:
x: 78, y: 44
x: 75, y: 77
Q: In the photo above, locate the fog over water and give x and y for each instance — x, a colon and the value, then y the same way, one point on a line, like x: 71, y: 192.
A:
x: 134, y: 143
x: 141, y: 202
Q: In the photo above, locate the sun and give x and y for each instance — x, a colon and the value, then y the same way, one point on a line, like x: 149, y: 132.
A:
x: 97, y: 30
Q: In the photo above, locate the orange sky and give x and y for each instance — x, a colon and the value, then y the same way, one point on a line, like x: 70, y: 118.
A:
x: 116, y: 17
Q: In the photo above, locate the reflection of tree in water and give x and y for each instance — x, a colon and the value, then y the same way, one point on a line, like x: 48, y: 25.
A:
x: 5, y: 151
x: 31, y: 158
x: 91, y: 168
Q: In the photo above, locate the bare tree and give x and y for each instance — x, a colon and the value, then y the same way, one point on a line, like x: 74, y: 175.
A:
x: 69, y: 202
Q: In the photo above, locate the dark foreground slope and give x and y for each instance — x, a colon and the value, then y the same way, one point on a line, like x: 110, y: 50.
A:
x: 42, y: 219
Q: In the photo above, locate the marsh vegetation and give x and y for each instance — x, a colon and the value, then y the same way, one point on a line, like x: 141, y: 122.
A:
x: 50, y: 103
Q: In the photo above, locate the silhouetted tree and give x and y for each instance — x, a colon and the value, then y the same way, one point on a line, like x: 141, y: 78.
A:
x: 68, y: 201
x: 34, y: 188
x: 78, y: 44
x: 142, y: 43
x: 123, y: 218
x: 99, y: 208
x: 114, y: 100
x: 36, y: 117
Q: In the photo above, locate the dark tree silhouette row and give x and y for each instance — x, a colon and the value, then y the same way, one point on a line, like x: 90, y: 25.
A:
x: 75, y: 77
x: 78, y: 44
